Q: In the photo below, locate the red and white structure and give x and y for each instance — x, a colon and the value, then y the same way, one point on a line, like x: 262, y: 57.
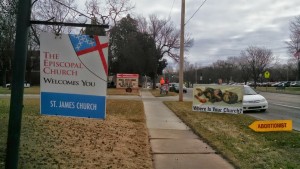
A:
x: 127, y: 80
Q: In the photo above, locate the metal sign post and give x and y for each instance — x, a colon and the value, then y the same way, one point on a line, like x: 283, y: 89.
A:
x: 267, y: 76
x: 18, y: 76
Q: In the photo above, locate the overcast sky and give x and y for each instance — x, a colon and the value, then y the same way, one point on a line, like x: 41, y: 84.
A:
x: 223, y: 28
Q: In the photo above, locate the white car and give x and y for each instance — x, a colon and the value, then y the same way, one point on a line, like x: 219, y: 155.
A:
x: 26, y: 85
x: 253, y: 101
x: 157, y: 85
x: 174, y: 87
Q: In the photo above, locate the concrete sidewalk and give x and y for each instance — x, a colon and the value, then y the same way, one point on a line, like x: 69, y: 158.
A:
x: 174, y: 145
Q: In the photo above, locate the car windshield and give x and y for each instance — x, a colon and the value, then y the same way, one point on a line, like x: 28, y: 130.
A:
x: 249, y: 91
x: 177, y: 85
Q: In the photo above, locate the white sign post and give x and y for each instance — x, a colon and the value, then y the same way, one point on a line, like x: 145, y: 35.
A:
x: 73, y: 75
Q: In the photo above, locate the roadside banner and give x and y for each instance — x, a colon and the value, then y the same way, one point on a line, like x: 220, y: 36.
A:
x: 73, y: 75
x: 218, y: 98
x: 272, y: 125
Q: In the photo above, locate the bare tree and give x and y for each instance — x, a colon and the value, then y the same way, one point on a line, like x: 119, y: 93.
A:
x: 110, y: 11
x: 224, y: 69
x: 49, y: 10
x: 142, y: 24
x: 93, y: 8
x: 257, y: 59
x: 294, y: 43
x: 167, y: 37
x: 244, y: 68
x: 188, y: 72
x: 8, y: 11
x: 118, y: 9
x: 293, y: 69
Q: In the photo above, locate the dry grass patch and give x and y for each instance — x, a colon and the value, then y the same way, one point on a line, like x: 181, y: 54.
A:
x: 32, y: 90
x: 230, y: 135
x: 114, y: 91
x: 156, y: 93
x: 120, y: 141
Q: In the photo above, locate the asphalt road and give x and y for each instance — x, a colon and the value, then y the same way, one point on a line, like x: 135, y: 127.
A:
x: 281, y: 107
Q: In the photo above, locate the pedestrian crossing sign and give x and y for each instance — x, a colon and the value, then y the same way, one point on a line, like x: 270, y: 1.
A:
x: 267, y: 74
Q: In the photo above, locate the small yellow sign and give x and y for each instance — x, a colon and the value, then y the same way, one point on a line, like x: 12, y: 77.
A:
x: 272, y: 125
x: 267, y: 74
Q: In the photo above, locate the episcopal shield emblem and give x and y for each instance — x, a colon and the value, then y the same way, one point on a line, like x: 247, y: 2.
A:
x: 85, y: 46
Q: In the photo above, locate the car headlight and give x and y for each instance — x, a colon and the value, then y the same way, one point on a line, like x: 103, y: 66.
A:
x: 263, y: 100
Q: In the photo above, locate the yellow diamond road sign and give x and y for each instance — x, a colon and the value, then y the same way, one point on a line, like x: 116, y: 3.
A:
x: 272, y: 125
x: 267, y: 74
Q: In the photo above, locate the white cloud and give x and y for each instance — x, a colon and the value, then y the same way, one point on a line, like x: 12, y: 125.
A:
x: 223, y: 28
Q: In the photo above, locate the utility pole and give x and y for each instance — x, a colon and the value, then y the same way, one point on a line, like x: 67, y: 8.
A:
x: 196, y: 74
x: 298, y: 76
x: 181, y: 51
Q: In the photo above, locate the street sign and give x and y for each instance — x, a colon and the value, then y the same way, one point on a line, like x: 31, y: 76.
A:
x: 267, y: 74
x: 272, y: 125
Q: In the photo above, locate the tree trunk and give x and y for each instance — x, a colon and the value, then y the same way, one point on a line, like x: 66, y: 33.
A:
x: 298, y: 74
x: 153, y: 83
x: 28, y: 79
x: 4, y: 76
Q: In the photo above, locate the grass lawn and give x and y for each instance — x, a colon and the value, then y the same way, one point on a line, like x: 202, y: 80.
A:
x: 288, y: 90
x: 36, y: 90
x: 230, y: 135
x: 29, y: 90
x: 120, y: 141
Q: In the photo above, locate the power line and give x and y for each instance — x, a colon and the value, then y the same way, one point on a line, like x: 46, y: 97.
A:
x: 195, y: 12
x: 171, y: 8
x: 81, y: 14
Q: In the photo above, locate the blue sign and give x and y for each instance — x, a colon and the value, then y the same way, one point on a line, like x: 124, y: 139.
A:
x: 77, y: 105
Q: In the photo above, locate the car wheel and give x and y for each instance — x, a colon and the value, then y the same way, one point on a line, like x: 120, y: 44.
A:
x: 262, y: 110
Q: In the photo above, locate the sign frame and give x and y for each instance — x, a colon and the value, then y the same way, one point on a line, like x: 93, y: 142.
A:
x: 73, y: 75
